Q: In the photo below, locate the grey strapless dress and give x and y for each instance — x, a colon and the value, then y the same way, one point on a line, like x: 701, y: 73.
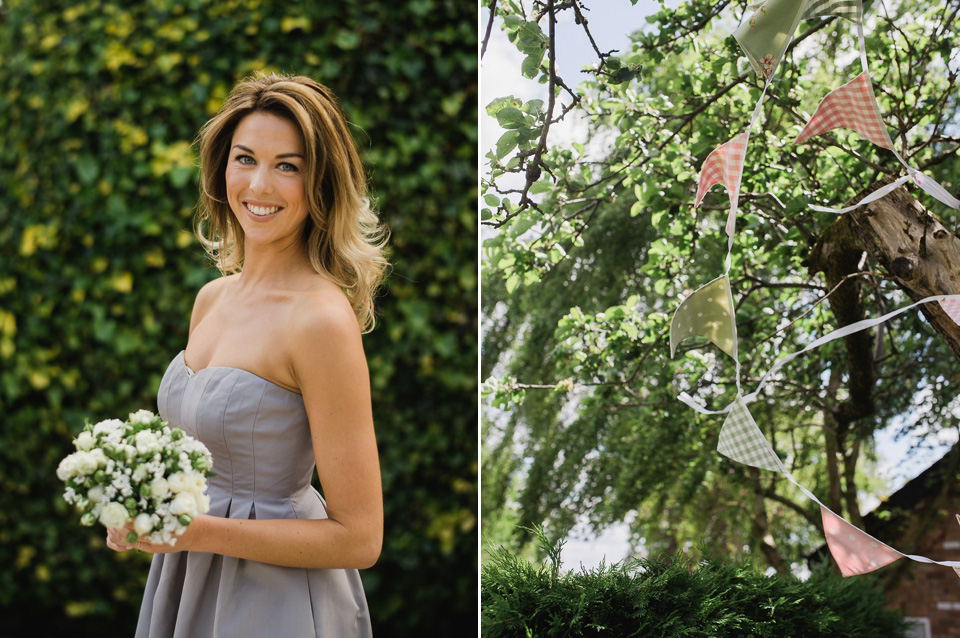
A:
x: 263, y: 458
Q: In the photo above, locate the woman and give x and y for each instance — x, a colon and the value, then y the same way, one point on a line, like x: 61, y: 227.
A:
x: 273, y: 379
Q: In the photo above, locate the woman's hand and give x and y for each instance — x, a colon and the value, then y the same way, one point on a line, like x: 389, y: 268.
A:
x: 117, y: 539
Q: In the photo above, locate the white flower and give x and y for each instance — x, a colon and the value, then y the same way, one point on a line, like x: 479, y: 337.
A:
x: 184, y: 503
x: 108, y: 427
x: 86, y: 462
x: 177, y: 482
x: 99, y: 456
x: 142, y: 524
x: 159, y: 487
x: 67, y: 468
x: 140, y: 473
x: 196, y: 482
x: 95, y: 494
x: 141, y: 416
x: 146, y: 441
x: 85, y: 441
x: 113, y: 515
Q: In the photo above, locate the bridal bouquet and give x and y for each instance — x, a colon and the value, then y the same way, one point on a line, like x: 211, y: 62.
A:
x: 140, y: 469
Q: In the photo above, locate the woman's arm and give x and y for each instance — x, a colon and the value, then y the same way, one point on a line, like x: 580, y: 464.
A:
x: 327, y: 359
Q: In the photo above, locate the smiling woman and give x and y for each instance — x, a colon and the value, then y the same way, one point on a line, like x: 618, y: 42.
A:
x: 273, y: 379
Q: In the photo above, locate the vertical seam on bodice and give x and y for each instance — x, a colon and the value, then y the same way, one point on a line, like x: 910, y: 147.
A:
x: 253, y: 439
x: 223, y: 437
x: 194, y: 394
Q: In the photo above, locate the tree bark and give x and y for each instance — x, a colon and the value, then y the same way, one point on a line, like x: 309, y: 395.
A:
x: 916, y: 248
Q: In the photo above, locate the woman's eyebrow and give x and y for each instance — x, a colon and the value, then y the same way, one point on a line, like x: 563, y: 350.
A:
x: 281, y: 155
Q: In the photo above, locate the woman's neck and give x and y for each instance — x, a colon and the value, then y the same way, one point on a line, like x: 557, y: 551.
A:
x: 273, y: 268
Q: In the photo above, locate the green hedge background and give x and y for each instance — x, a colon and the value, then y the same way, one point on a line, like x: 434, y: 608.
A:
x: 99, y: 104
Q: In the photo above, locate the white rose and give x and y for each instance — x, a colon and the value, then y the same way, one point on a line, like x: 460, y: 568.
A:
x: 141, y: 416
x: 184, y: 503
x: 145, y: 441
x: 203, y: 501
x: 177, y: 482
x: 196, y: 482
x: 98, y: 456
x: 85, y: 441
x: 67, y: 468
x: 86, y: 463
x: 131, y: 451
x: 159, y: 487
x: 95, y: 494
x: 113, y: 515
x: 142, y: 524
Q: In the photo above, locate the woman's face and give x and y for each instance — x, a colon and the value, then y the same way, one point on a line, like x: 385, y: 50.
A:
x: 265, y: 181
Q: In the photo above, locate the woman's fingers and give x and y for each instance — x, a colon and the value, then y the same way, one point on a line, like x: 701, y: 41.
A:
x: 116, y: 540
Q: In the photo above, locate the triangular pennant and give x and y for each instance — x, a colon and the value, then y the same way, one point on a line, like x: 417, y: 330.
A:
x: 851, y: 106
x: 742, y: 441
x: 723, y: 165
x: 848, y: 9
x: 855, y: 551
x: 765, y: 34
x: 952, y: 308
x: 708, y: 313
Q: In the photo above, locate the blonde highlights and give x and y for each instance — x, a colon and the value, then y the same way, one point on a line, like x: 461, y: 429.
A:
x: 343, y: 239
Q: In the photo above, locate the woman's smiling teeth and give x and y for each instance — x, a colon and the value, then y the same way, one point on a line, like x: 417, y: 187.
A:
x: 261, y: 211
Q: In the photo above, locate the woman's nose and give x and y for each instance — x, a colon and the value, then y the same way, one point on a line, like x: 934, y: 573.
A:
x: 260, y: 180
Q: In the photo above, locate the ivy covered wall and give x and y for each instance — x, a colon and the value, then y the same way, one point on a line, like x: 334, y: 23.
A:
x: 99, y: 104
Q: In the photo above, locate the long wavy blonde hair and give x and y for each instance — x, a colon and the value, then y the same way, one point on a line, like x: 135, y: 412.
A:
x: 343, y: 239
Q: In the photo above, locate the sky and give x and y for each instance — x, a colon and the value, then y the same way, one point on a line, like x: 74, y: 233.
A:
x: 611, y: 22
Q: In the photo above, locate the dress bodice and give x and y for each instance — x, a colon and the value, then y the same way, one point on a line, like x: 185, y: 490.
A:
x: 256, y: 430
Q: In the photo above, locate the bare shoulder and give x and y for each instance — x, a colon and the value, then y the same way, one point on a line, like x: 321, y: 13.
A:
x: 207, y: 298
x: 323, y: 337
x: 323, y: 311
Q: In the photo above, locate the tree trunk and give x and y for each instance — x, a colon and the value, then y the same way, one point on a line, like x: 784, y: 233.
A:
x: 915, y: 248
x: 760, y: 526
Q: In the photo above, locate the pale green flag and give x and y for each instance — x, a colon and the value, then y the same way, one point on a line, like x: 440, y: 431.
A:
x: 765, y: 34
x: 742, y: 441
x: 708, y: 313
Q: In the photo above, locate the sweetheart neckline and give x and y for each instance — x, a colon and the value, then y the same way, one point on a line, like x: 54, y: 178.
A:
x: 192, y: 373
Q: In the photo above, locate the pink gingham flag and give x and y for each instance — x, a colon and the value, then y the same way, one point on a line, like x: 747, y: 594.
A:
x: 851, y: 106
x: 723, y: 166
x: 856, y: 552
x: 952, y: 308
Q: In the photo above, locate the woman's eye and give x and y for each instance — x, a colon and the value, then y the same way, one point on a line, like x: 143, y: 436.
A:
x: 287, y: 167
x: 244, y: 159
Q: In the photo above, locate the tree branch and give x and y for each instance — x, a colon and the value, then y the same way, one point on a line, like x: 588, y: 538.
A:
x: 486, y: 36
